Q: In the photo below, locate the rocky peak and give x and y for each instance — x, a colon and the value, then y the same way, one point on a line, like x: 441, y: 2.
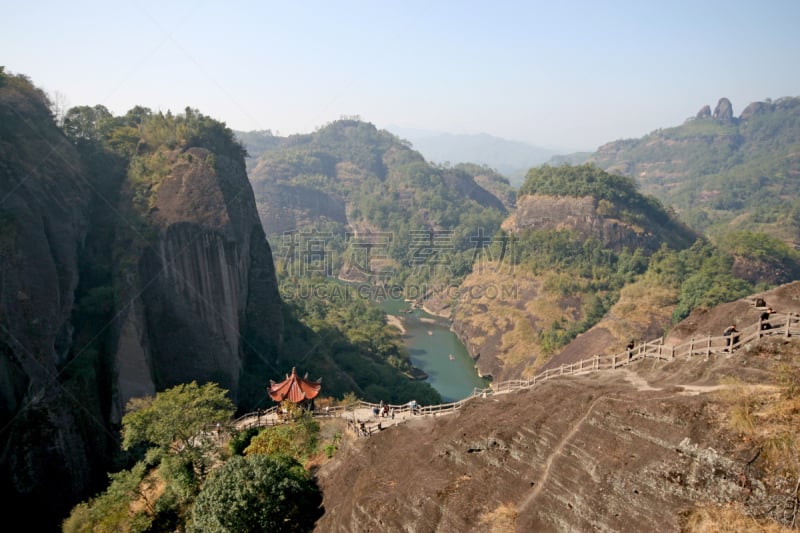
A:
x: 205, y: 279
x: 705, y: 112
x: 755, y: 108
x: 724, y: 110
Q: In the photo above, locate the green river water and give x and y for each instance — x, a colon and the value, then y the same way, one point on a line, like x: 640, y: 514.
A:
x: 431, y: 343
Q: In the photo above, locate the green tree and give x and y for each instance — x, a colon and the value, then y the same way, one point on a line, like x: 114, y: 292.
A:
x: 85, y: 123
x: 257, y: 493
x: 297, y: 439
x: 174, y: 421
x: 112, y: 510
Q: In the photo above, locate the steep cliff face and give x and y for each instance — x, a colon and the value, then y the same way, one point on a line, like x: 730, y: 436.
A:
x: 597, y: 219
x: 199, y: 285
x: 48, y: 431
x: 505, y: 309
x: 177, y: 285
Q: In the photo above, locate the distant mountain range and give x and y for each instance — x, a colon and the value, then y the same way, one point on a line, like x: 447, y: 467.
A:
x: 510, y: 158
x: 719, y: 171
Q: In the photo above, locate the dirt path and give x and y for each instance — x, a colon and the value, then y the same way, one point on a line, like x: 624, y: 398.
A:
x: 637, y: 381
x: 540, y: 483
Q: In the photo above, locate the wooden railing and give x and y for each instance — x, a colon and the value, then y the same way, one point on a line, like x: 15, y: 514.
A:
x: 785, y: 325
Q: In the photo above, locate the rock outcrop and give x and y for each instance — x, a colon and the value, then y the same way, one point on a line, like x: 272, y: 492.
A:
x: 616, y: 451
x: 705, y: 112
x: 284, y: 207
x: 754, y: 109
x: 49, y: 434
x: 591, y: 218
x: 205, y: 280
x: 724, y: 110
x: 194, y: 295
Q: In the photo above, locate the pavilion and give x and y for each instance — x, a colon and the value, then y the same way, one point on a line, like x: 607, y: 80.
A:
x: 295, y: 389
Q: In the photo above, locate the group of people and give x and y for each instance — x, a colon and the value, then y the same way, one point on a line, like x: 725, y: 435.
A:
x: 731, y: 332
x: 383, y: 411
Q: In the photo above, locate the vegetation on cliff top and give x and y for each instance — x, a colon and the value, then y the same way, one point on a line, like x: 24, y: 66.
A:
x: 589, y: 180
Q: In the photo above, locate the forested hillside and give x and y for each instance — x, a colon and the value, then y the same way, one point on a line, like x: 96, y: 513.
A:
x: 381, y: 212
x: 590, y: 249
x: 720, y: 171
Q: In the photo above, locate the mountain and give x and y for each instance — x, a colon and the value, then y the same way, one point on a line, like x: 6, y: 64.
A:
x: 353, y: 183
x: 510, y: 158
x: 720, y: 171
x: 667, y: 445
x: 577, y: 237
x: 133, y: 260
x: 134, y: 255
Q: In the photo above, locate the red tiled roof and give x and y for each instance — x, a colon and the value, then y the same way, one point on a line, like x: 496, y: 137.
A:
x: 294, y: 388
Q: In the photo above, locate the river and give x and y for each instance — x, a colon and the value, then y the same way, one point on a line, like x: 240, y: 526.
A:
x: 436, y: 351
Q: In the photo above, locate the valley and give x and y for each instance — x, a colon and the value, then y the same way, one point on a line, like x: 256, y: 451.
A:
x: 436, y: 351
x: 158, y: 257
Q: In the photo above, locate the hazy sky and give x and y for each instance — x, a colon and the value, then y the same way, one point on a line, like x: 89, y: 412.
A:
x: 563, y: 74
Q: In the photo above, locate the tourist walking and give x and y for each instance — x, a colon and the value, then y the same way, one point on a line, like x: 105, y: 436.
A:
x: 730, y: 333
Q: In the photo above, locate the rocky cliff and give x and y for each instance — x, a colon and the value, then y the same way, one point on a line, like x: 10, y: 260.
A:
x: 593, y: 218
x: 626, y: 450
x: 49, y: 434
x: 204, y: 279
x: 118, y: 283
x: 285, y: 208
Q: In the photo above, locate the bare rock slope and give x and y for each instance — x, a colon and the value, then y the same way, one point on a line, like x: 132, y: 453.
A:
x: 623, y: 450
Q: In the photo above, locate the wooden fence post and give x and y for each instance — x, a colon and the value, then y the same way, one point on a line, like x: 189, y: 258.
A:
x: 614, y: 362
x: 691, y: 347
x: 596, y: 362
x: 787, y: 334
x: 708, y: 347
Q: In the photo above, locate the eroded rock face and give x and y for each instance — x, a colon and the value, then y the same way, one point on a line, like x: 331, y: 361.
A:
x: 572, y: 455
x: 724, y: 110
x: 705, y: 112
x: 200, y: 285
x: 197, y: 301
x: 45, y: 445
x: 285, y: 208
x: 596, y: 219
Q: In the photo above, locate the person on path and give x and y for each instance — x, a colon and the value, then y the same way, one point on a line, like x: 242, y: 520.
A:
x: 765, y: 317
x: 732, y: 338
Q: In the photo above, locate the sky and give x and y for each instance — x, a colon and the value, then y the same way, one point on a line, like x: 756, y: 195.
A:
x: 567, y: 75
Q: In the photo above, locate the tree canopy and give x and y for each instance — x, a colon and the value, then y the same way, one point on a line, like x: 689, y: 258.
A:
x: 255, y: 494
x: 174, y: 419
